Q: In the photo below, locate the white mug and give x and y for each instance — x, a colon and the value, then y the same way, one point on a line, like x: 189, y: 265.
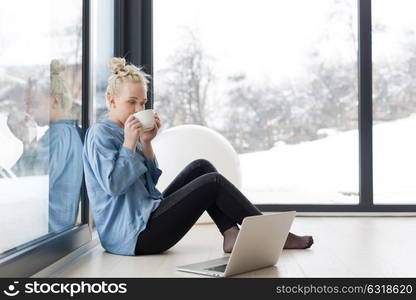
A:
x: 146, y: 118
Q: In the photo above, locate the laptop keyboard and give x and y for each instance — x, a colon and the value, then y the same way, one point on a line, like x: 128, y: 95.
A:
x: 220, y: 268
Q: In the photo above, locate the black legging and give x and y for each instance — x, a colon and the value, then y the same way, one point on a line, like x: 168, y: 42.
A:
x: 197, y: 188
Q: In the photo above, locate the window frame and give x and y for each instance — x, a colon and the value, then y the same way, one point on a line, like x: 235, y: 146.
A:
x: 365, y: 102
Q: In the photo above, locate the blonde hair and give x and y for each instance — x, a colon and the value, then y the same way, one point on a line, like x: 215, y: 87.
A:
x: 58, y: 87
x: 54, y: 85
x: 123, y: 73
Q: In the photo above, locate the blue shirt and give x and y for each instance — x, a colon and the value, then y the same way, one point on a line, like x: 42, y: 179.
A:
x: 58, y: 153
x: 121, y: 186
x: 65, y: 173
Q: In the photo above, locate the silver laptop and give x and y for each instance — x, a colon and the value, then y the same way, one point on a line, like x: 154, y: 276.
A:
x: 259, y: 244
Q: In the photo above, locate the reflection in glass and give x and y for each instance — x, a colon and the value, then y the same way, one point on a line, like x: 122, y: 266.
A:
x: 58, y: 151
x: 102, y: 24
x: 35, y: 136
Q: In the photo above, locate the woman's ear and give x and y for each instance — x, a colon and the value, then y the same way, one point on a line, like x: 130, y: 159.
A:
x: 55, y: 102
x: 111, y: 101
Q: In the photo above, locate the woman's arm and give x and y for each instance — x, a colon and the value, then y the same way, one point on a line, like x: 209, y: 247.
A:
x: 151, y: 162
x: 115, y: 169
x: 149, y: 155
x: 148, y: 150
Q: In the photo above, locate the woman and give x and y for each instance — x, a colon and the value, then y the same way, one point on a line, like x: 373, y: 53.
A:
x: 58, y: 153
x: 121, y: 171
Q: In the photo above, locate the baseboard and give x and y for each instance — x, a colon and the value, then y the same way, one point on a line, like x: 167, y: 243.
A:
x: 206, y: 219
x: 54, y: 269
x: 356, y: 214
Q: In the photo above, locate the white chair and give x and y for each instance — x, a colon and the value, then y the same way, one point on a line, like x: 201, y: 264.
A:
x: 178, y: 146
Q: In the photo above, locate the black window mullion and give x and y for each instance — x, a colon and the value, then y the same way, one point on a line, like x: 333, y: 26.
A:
x: 119, y: 17
x: 85, y: 97
x: 147, y: 45
x: 133, y: 36
x: 365, y: 98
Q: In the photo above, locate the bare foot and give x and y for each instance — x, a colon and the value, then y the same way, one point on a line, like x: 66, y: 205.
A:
x: 230, y: 235
x: 294, y: 241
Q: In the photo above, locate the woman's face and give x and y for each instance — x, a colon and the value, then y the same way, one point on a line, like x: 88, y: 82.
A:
x: 131, y: 99
x: 39, y: 106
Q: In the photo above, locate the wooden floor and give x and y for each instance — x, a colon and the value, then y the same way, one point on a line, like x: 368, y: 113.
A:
x: 344, y: 247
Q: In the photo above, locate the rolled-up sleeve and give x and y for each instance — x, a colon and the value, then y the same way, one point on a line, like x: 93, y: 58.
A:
x: 116, y: 169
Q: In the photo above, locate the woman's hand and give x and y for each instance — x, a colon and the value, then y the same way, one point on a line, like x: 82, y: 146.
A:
x: 132, y: 130
x: 23, y: 126
x: 146, y: 137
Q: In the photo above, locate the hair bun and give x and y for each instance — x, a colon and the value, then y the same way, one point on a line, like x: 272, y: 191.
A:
x: 116, y: 64
x: 57, y: 66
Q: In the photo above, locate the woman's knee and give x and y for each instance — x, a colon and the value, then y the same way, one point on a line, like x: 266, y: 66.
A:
x: 210, y: 177
x: 205, y: 164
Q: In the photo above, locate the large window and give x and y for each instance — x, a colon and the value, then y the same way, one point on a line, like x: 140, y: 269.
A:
x: 278, y: 79
x: 40, y: 115
x: 394, y: 101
